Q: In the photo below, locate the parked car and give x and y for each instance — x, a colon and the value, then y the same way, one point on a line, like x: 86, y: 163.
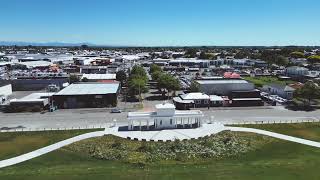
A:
x: 115, y: 111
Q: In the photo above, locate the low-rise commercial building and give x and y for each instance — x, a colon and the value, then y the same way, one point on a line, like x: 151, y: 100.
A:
x: 224, y: 87
x: 87, y: 95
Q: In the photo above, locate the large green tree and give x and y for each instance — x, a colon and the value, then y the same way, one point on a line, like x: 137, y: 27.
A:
x: 194, y: 87
x: 314, y: 59
x: 297, y: 54
x: 121, y: 76
x: 168, y: 83
x: 155, y: 68
x: 281, y: 60
x: 137, y: 82
x: 309, y: 91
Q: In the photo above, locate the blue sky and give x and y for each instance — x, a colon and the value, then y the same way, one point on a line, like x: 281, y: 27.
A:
x: 162, y: 22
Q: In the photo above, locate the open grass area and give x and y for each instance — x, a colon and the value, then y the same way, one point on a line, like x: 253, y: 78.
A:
x: 260, y: 81
x: 274, y: 159
x: 309, y: 131
x: 16, y: 143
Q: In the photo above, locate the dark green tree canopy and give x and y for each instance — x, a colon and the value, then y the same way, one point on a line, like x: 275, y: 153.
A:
x: 194, y: 87
x: 314, y: 59
x: 297, y: 54
x: 121, y: 76
x: 155, y: 68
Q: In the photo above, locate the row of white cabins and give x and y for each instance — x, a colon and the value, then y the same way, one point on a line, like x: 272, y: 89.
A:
x: 165, y: 116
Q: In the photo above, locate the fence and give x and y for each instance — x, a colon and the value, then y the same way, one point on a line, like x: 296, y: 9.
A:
x: 53, y: 129
x: 272, y: 122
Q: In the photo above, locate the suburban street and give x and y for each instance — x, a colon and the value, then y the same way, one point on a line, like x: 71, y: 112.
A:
x: 86, y: 118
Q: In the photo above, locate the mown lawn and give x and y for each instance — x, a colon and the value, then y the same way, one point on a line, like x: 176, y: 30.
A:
x: 260, y: 81
x: 277, y: 160
x: 309, y: 131
x: 16, y: 143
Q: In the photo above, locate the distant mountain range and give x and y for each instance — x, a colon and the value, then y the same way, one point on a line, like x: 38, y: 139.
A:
x: 22, y: 43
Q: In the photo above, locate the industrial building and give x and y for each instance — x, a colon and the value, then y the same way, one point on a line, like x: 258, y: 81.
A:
x: 224, y: 87
x: 87, y: 95
x: 98, y: 77
x: 34, y: 102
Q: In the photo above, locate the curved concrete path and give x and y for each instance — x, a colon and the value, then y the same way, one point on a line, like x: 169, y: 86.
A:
x: 207, y: 129
x: 47, y: 149
x: 275, y: 135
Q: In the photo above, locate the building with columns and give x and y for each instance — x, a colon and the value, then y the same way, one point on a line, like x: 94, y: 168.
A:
x: 164, y: 117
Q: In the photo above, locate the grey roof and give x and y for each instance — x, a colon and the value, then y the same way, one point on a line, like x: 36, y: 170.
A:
x: 281, y: 86
x: 89, y: 89
x: 222, y: 81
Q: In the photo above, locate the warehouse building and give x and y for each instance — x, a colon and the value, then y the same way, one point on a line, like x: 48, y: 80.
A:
x: 87, y: 95
x: 98, y: 77
x: 224, y: 87
x: 34, y: 102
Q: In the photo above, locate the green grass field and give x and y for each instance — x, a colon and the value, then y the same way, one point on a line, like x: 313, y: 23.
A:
x: 277, y: 160
x: 16, y: 143
x: 260, y: 81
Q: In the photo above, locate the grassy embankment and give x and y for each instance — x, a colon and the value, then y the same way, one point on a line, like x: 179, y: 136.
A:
x: 267, y: 159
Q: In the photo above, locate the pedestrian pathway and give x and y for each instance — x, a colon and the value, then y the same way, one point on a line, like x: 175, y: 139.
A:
x: 275, y: 135
x: 164, y: 135
x: 47, y: 149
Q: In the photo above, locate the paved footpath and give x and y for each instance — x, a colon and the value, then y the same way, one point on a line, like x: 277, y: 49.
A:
x: 165, y: 135
x: 275, y: 135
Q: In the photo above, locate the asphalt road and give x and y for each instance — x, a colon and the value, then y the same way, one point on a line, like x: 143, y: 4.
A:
x: 102, y: 117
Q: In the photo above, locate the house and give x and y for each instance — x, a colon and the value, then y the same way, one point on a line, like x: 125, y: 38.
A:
x: 197, y: 100
x: 87, y: 95
x: 283, y: 91
x: 296, y: 71
x: 165, y: 116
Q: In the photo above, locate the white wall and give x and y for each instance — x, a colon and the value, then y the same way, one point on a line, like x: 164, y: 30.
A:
x: 6, y: 90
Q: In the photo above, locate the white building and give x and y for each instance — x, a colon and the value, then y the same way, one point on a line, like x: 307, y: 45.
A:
x: 164, y: 117
x: 296, y: 71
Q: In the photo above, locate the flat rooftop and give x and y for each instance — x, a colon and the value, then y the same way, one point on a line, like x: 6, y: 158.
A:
x: 222, y: 81
x: 89, y: 89
x: 99, y: 76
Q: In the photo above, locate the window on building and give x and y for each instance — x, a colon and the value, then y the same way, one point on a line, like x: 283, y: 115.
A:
x: 197, y: 101
x: 160, y: 122
x: 170, y: 121
x: 206, y: 101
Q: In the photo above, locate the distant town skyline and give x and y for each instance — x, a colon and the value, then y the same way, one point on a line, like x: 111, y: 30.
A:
x: 162, y: 23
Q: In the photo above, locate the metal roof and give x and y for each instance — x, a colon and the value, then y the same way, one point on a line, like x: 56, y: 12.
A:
x: 99, y: 76
x: 89, y: 89
x: 223, y: 81
x: 192, y: 96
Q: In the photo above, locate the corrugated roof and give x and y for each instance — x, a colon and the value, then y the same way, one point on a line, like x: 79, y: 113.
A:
x: 100, y: 76
x: 89, y: 89
x: 224, y: 81
x: 192, y: 96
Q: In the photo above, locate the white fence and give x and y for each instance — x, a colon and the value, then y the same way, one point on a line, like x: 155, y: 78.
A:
x: 52, y: 129
x: 272, y: 122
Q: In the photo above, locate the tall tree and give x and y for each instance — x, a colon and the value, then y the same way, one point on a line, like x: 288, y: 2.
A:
x: 121, y: 76
x: 314, y: 59
x: 309, y: 91
x: 168, y: 83
x: 194, y: 87
x: 297, y: 54
x: 154, y: 68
